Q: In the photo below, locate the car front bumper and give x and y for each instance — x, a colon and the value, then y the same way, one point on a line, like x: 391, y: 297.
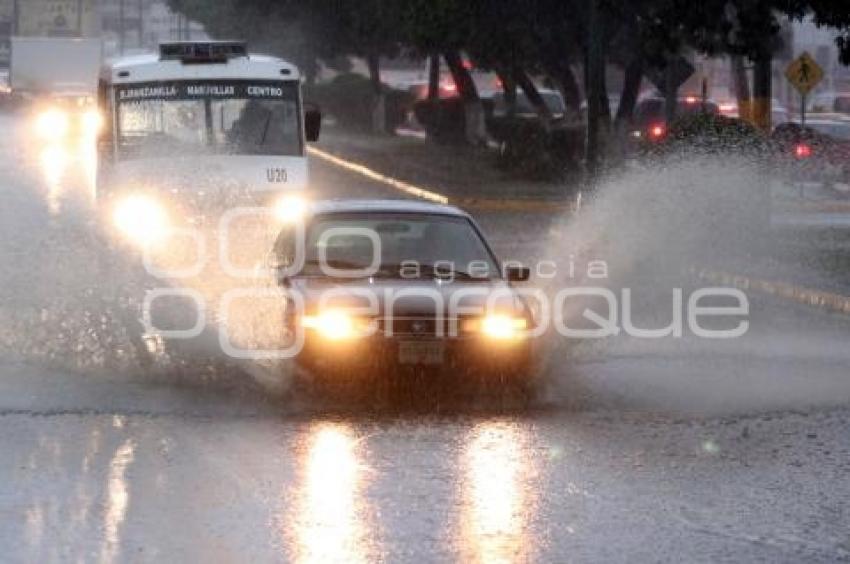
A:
x: 463, y: 357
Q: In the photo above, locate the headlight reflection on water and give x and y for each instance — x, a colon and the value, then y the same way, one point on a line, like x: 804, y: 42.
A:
x: 54, y: 161
x: 331, y: 525
x: 496, y: 495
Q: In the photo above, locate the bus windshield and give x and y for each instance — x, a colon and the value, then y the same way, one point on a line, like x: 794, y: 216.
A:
x: 237, y: 117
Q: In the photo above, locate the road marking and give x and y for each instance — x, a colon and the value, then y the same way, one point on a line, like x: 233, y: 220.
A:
x: 813, y: 207
x: 791, y: 292
x: 479, y: 204
x: 362, y: 170
x: 539, y: 206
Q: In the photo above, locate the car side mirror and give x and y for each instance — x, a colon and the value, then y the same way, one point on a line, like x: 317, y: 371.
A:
x: 517, y: 273
x: 312, y: 123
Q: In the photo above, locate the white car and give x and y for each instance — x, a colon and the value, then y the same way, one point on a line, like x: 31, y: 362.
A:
x: 828, y: 102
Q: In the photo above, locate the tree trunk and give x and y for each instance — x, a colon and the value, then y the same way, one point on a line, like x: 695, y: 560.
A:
x: 604, y: 102
x: 631, y: 89
x: 742, y: 86
x: 762, y: 91
x: 434, y: 108
x: 476, y: 130
x: 671, y: 93
x: 594, y: 88
x: 569, y: 88
x: 379, y: 108
x: 433, y: 78
x: 535, y: 99
x: 509, y: 89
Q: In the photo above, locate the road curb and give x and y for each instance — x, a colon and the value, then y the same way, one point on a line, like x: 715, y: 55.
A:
x: 791, y: 292
x: 472, y: 204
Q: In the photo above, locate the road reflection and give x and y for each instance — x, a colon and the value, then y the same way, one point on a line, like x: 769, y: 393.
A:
x: 117, y: 499
x: 332, y: 523
x: 68, y: 170
x: 54, y: 164
x: 77, y: 498
x: 497, y: 494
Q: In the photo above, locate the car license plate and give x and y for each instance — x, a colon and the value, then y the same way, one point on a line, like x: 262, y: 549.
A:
x: 421, y: 352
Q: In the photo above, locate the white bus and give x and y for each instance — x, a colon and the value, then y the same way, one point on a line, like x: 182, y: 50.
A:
x: 203, y: 122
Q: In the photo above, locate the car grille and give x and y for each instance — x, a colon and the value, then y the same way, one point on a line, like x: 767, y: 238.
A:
x: 418, y: 326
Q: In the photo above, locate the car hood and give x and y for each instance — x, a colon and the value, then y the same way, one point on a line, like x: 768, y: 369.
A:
x: 409, y: 298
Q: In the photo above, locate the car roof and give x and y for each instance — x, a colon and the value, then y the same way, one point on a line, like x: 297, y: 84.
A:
x: 828, y: 116
x: 815, y: 118
x: 350, y: 205
x: 827, y: 120
x: 678, y: 99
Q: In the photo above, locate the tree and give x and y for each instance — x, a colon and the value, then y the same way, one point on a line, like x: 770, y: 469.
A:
x: 445, y: 26
x: 518, y: 39
x: 369, y: 29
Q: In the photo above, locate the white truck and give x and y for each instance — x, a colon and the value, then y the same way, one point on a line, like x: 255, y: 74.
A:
x: 55, y: 66
x: 57, y: 78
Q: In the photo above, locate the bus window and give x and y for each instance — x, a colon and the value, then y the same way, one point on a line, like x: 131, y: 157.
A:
x: 197, y: 118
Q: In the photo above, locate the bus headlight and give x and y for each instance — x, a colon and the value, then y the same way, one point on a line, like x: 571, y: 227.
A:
x: 52, y: 124
x: 141, y: 219
x: 289, y: 208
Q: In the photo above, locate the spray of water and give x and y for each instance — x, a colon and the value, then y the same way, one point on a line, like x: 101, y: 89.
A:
x: 653, y: 226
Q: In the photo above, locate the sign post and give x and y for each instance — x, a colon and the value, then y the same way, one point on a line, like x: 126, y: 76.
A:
x: 804, y: 73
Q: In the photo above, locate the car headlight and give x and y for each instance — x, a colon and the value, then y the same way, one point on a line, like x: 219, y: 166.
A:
x: 289, y: 208
x: 52, y: 124
x: 336, y: 325
x: 498, y: 326
x: 141, y: 219
x: 92, y: 122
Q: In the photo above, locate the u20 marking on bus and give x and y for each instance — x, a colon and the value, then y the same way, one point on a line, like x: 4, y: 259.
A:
x: 276, y: 175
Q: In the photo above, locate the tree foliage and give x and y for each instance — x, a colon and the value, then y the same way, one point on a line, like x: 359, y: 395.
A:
x: 515, y: 38
x: 539, y: 36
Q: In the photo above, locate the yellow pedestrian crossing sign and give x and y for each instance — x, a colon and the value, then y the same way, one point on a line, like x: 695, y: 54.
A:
x: 804, y: 73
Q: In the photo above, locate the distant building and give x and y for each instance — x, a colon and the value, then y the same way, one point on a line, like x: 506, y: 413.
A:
x: 126, y: 26
x: 57, y: 18
x: 129, y: 26
x: 7, y: 11
x: 46, y: 18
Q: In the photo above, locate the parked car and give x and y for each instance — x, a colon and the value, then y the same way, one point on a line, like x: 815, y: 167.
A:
x: 818, y: 152
x: 649, y: 124
x: 552, y: 98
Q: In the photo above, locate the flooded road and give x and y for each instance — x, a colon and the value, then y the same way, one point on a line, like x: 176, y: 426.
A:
x: 636, y: 451
x: 188, y: 475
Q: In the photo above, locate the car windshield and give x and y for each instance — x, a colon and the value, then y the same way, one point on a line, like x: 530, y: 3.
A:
x: 220, y: 117
x: 409, y: 245
x: 653, y: 109
x: 553, y: 101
